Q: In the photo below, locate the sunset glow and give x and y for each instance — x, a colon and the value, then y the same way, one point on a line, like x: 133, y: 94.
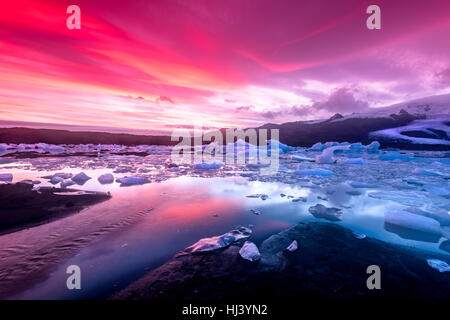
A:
x: 159, y: 65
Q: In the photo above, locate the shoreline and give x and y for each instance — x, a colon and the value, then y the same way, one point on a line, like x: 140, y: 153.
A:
x: 330, y: 263
x: 23, y: 208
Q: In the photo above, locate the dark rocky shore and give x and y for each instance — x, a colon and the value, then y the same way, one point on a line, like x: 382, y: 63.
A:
x: 21, y: 207
x: 330, y: 263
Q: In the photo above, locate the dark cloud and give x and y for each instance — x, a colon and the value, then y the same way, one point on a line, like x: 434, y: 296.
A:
x: 164, y: 99
x: 341, y: 100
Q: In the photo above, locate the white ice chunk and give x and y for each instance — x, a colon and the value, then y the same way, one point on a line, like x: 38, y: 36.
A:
x: 249, y: 251
x: 81, y: 178
x: 358, y: 235
x: 327, y: 155
x: 412, y: 221
x: 56, y: 180
x: 426, y: 172
x: 208, y: 166
x: 315, y: 172
x: 217, y: 242
x: 355, y: 161
x: 55, y: 149
x: 133, y: 180
x: 362, y: 185
x: 317, y: 147
x: 320, y: 211
x: 439, y: 265
x: 106, y: 178
x: 373, y: 147
x: 293, y: 246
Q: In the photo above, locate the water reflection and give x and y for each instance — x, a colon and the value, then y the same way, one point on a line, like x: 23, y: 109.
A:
x: 141, y: 227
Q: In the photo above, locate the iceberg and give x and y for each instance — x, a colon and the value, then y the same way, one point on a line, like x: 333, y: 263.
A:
x: 218, y: 242
x: 315, y: 172
x: 355, y: 161
x: 106, y: 178
x: 413, y: 222
x: 359, y: 236
x: 249, y: 251
x: 293, y: 246
x: 361, y: 185
x: 80, y: 178
x: 56, y: 180
x: 283, y: 147
x: 373, y: 147
x: 133, y: 180
x: 439, y: 265
x: 320, y: 211
x: 317, y: 147
x: 208, y: 166
x: 327, y: 155
x: 425, y: 172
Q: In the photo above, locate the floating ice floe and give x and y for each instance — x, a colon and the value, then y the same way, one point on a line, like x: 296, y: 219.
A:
x: 439, y: 265
x: 249, y: 251
x: 133, y: 180
x: 359, y: 236
x: 301, y: 158
x: 327, y: 156
x: 56, y: 180
x: 355, y: 161
x: 207, y: 166
x: 293, y: 246
x: 6, y: 177
x: 106, y: 178
x: 218, y: 242
x: 413, y: 222
x: 262, y: 196
x: 80, y: 178
x: 391, y: 156
x: 373, y: 147
x: 302, y: 199
x: 362, y: 185
x: 255, y: 212
x: 426, y: 172
x: 440, y: 215
x: 405, y: 198
x: 315, y: 172
x: 320, y: 211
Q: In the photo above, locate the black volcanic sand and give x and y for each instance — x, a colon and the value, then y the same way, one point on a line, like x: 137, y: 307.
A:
x: 21, y: 207
x: 329, y: 264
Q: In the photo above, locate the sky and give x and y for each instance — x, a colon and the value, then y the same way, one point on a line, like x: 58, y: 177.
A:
x: 160, y: 65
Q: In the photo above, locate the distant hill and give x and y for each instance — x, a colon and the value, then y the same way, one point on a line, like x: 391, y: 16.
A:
x: 422, y: 124
x: 51, y: 136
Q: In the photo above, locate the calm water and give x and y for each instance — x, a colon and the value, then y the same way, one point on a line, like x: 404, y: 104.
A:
x: 141, y: 227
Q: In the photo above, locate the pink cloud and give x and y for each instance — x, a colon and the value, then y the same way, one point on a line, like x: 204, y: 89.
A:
x: 204, y: 59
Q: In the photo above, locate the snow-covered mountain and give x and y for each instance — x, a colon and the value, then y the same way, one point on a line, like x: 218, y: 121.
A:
x: 417, y: 124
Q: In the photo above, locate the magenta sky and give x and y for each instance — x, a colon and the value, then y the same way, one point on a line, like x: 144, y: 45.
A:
x: 156, y: 65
